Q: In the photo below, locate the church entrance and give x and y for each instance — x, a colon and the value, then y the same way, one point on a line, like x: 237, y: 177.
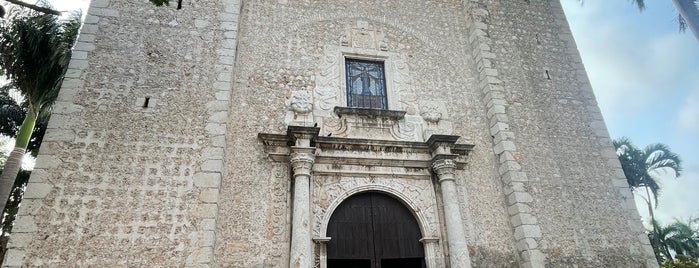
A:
x: 374, y: 230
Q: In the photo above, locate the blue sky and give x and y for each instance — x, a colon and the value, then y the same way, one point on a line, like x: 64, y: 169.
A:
x: 646, y: 78
x: 645, y: 75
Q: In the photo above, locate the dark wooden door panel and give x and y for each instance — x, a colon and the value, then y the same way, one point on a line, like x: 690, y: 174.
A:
x: 376, y: 229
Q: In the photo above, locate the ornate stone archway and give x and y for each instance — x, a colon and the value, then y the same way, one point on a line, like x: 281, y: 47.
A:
x: 327, y: 170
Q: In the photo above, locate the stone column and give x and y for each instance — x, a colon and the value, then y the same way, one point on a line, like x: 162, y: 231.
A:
x: 458, y: 248
x: 302, y: 158
x: 430, y: 244
x: 322, y: 244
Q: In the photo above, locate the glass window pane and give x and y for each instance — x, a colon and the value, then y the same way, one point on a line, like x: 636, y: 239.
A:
x: 366, y: 84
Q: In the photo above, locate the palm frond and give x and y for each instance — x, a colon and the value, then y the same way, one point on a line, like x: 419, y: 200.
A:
x: 35, y: 53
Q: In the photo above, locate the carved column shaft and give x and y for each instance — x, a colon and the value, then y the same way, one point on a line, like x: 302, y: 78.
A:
x: 458, y: 248
x: 301, y: 253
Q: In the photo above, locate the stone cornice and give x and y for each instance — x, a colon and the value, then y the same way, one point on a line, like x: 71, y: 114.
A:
x: 364, y: 157
x: 341, y: 111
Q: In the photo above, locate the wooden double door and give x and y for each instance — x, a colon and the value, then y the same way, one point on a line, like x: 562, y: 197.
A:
x: 374, y: 230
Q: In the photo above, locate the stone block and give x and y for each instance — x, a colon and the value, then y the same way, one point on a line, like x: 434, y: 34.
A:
x: 499, y: 127
x: 514, y: 176
x: 209, y: 195
x: 208, y: 224
x: 57, y: 134
x: 504, y: 146
x: 37, y: 190
x: 21, y: 240
x: 509, y: 166
x: 24, y: 224
x: 223, y: 95
x: 216, y: 129
x: 534, y: 256
x: 519, y: 197
x: 212, y: 153
x: 79, y: 55
x: 83, y: 46
x: 527, y: 231
x: 207, y: 239
x: 47, y: 161
x: 99, y: 3
x: 212, y: 165
x: 14, y: 258
x: 222, y: 86
x: 104, y: 12
x: 522, y: 218
x: 204, y: 210
x: 200, y: 255
x: 527, y: 244
x: 207, y: 180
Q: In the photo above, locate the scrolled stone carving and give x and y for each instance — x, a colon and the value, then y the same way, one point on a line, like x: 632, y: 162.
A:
x: 301, y: 102
x: 404, y: 130
x: 302, y: 163
x: 334, y: 126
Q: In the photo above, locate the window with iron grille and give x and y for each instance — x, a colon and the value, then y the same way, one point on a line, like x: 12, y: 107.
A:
x: 366, y: 84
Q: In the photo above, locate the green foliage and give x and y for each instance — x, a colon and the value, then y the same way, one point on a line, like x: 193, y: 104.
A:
x: 681, y: 261
x: 642, y: 166
x: 34, y: 54
x: 680, y: 238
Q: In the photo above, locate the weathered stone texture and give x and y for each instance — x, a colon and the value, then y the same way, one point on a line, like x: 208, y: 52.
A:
x: 561, y: 143
x: 186, y: 181
x: 281, y: 50
x: 118, y: 183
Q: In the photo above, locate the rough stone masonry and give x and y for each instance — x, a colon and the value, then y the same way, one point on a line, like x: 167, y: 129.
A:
x: 220, y: 135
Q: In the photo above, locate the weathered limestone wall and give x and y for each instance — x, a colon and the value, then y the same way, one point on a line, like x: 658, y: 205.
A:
x: 187, y: 182
x: 568, y: 198
x: 283, y: 47
x: 117, y: 184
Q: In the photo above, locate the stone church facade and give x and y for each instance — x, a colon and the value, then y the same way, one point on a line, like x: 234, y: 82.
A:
x: 229, y: 133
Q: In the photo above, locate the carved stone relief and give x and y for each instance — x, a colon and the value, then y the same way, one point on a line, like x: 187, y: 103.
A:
x: 366, y: 41
x: 299, y: 109
x: 436, y: 119
x: 418, y: 195
x: 280, y: 211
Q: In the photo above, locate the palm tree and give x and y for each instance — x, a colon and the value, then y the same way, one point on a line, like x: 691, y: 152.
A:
x: 641, y: 167
x: 680, y: 237
x: 35, y: 50
x: 689, y: 15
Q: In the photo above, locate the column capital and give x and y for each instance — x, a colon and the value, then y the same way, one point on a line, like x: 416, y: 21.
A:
x: 302, y: 163
x: 444, y: 168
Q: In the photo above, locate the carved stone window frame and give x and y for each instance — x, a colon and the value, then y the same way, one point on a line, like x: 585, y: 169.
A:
x: 388, y: 59
x: 375, y: 56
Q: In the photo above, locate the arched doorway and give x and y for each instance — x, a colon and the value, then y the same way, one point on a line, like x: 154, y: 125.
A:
x: 374, y: 230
